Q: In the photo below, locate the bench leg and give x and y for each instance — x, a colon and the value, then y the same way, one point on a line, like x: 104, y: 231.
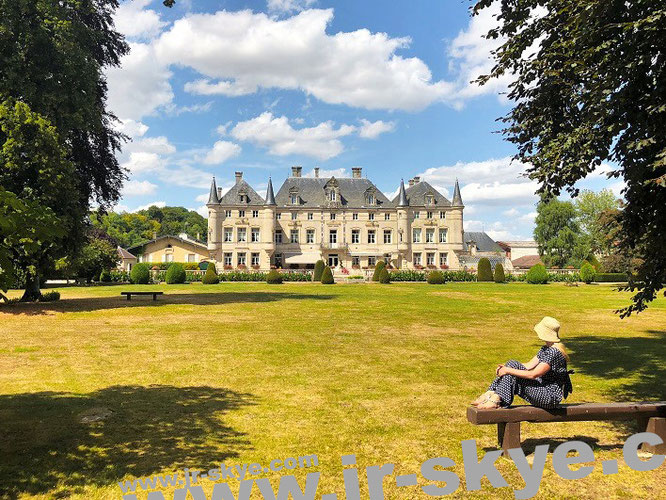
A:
x: 657, y: 425
x: 129, y: 297
x: 508, y: 436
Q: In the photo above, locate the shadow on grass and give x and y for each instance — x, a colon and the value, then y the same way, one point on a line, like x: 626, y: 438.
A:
x: 530, y: 444
x: 56, y: 443
x: 84, y: 304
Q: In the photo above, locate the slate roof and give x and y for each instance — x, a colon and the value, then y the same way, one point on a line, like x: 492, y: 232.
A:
x: 473, y: 260
x: 527, y: 261
x: 484, y: 243
x: 416, y: 195
x: 139, y: 248
x: 312, y: 194
x: 231, y: 196
x: 270, y: 197
x: 212, y: 196
x: 457, y: 199
x: 124, y: 254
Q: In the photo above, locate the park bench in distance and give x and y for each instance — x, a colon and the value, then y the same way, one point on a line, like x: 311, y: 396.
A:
x: 129, y: 294
x: 651, y: 417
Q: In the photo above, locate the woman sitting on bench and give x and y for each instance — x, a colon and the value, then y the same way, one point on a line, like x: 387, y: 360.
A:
x: 544, y: 381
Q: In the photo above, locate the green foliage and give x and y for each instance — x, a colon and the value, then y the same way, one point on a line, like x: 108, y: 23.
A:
x: 50, y: 296
x: 611, y: 277
x: 499, y: 273
x: 318, y: 270
x: 210, y: 276
x: 592, y: 259
x: 140, y: 274
x: 537, y: 275
x: 587, y: 273
x: 385, y: 276
x: 105, y: 276
x: 327, y: 276
x: 175, y: 274
x: 594, y: 92
x: 558, y: 234
x: 413, y: 275
x: 274, y: 278
x: 119, y: 276
x: 590, y: 209
x: 485, y: 272
x: 381, y: 265
x: 96, y: 256
x: 436, y: 278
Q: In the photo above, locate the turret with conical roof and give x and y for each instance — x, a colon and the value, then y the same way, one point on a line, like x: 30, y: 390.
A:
x: 270, y: 196
x: 457, y: 199
x: 212, y: 197
x: 402, y: 197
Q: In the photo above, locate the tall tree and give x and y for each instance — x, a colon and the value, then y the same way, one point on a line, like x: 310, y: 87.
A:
x: 558, y: 234
x: 52, y: 58
x: 590, y: 208
x: 589, y: 85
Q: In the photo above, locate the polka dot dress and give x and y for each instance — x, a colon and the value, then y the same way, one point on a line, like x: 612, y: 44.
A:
x: 545, y: 391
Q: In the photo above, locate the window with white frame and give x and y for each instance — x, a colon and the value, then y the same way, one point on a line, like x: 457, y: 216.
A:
x: 442, y: 215
x: 417, y: 215
x: 332, y: 216
x: 241, y: 213
x: 191, y: 257
x: 254, y: 258
x: 443, y: 235
x: 294, y: 236
x: 443, y: 259
x: 430, y: 235
x: 294, y: 199
x: 417, y: 235
x: 228, y: 259
x: 255, y: 214
x: 354, y: 216
x: 168, y: 257
x: 227, y: 213
x: 332, y: 195
x: 278, y: 236
x: 387, y: 216
x: 371, y: 199
x: 277, y: 260
x: 430, y: 199
x: 310, y: 236
x: 310, y: 216
x: 356, y: 261
x: 242, y: 260
x: 417, y: 259
x: 388, y: 238
x: 242, y: 234
x: 294, y: 216
x: 428, y: 215
x: 255, y: 235
x: 371, y: 216
x: 333, y: 236
x: 228, y: 234
x: 430, y: 259
x: 372, y: 261
x: 356, y: 236
x: 372, y: 237
x: 278, y: 215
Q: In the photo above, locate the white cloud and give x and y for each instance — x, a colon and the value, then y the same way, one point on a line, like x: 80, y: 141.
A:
x: 239, y: 52
x: 512, y: 212
x: 203, y: 210
x: 135, y: 21
x: 221, y: 152
x: 132, y: 128
x: 324, y: 173
x: 138, y: 188
x: 158, y: 204
x: 281, y: 139
x: 143, y: 162
x: 157, y: 145
x: 223, y: 129
x: 372, y: 130
x: 288, y: 6
x: 140, y: 86
x: 202, y: 198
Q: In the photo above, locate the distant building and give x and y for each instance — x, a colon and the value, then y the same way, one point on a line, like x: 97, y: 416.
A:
x: 517, y: 249
x: 168, y: 248
x: 478, y: 245
x: 526, y: 261
x: 125, y: 260
x: 344, y: 221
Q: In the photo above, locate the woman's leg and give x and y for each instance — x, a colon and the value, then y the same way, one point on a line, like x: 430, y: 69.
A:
x: 507, y: 385
x: 539, y: 395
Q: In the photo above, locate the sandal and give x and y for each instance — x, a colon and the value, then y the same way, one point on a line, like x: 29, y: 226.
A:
x: 491, y: 403
x: 482, y: 398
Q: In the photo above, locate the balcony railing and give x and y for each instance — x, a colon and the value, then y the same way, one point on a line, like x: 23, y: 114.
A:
x: 333, y: 246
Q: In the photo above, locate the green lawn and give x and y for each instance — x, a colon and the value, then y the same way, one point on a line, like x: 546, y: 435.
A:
x: 243, y: 373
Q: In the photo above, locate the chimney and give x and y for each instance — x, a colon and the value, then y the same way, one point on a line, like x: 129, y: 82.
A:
x: 417, y: 179
x: 296, y: 171
x: 198, y: 236
x: 316, y: 170
x: 356, y: 172
x: 472, y: 247
x: 219, y: 192
x: 239, y: 177
x: 411, y: 182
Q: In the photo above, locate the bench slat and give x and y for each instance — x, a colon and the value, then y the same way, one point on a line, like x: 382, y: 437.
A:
x: 568, y: 413
x: 141, y: 293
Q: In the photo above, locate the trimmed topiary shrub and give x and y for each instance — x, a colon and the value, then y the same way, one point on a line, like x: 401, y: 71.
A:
x: 327, y: 276
x: 485, y: 272
x: 499, y: 274
x: 140, y: 274
x: 318, y: 270
x: 274, y: 278
x: 537, y: 275
x: 49, y: 296
x: 105, y: 276
x: 175, y: 274
x: 210, y: 276
x: 587, y: 273
x: 436, y: 278
x: 381, y: 265
x: 384, y: 276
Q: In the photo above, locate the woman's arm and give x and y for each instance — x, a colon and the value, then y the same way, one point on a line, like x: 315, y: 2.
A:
x: 532, y: 363
x: 539, y: 370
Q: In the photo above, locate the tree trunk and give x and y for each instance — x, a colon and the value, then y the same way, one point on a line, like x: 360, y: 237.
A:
x: 31, y: 293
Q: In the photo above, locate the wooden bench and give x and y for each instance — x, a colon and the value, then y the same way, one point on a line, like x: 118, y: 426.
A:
x: 651, y: 417
x: 129, y: 294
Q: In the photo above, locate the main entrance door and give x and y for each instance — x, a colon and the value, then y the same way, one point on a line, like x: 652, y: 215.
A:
x: 333, y: 260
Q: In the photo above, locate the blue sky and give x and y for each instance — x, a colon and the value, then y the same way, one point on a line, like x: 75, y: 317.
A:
x: 213, y: 86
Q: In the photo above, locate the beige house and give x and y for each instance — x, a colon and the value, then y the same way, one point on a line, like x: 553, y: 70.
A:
x: 170, y: 249
x: 346, y: 222
x: 125, y: 260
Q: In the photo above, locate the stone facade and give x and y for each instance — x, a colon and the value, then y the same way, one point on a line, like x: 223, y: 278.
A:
x: 346, y: 222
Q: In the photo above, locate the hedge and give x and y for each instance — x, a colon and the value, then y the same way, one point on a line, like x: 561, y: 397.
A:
x: 385, y: 276
x: 485, y: 272
x: 587, y: 273
x: 381, y: 265
x: 499, y: 274
x: 436, y: 278
x: 611, y: 277
x: 105, y: 276
x: 140, y: 274
x: 210, y: 277
x: 537, y: 275
x: 274, y: 278
x: 175, y: 274
x: 327, y: 276
x: 413, y: 275
x: 163, y: 266
x: 119, y: 276
x: 318, y: 270
x: 49, y: 296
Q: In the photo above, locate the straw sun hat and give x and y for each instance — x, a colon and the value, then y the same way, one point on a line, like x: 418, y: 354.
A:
x: 548, y: 329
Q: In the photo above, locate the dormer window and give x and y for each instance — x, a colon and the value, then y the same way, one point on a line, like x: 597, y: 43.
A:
x: 371, y: 199
x: 243, y: 197
x: 332, y: 196
x: 294, y: 199
x: 430, y: 199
